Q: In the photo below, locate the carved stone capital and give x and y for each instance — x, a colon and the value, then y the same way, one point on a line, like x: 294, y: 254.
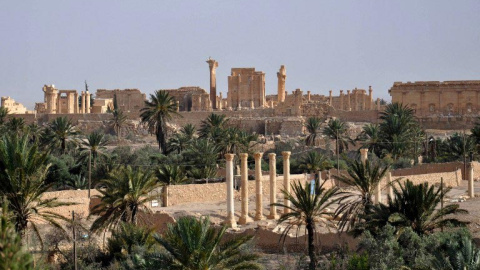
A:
x: 229, y: 157
x: 286, y: 154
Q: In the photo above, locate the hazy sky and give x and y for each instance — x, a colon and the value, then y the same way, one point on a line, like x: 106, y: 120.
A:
x: 164, y: 44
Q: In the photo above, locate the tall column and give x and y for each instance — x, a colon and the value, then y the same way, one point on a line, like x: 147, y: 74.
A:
x: 355, y: 104
x: 87, y: 102
x: 308, y: 95
x: 83, y: 102
x: 349, y: 102
x: 341, y: 100
x: 370, y: 98
x: 75, y: 96
x: 230, y: 220
x: 69, y: 104
x: 212, y: 64
x: 282, y: 76
x: 59, y: 103
x: 258, y: 187
x: 330, y: 98
x: 364, y: 102
x: 286, y: 178
x: 471, y: 191
x: 273, y: 185
x: 244, y: 218
x: 390, y: 184
x: 378, y: 104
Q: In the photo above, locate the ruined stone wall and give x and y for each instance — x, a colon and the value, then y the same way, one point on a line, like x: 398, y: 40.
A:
x: 448, y: 98
x: 184, y: 97
x: 128, y: 100
x: 246, y: 87
x: 450, y: 179
x: 180, y: 194
x: 430, y: 168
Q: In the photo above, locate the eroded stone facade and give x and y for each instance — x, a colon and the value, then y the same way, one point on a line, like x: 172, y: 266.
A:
x: 246, y: 88
x: 14, y: 107
x: 191, y: 98
x: 435, y: 98
x: 128, y: 100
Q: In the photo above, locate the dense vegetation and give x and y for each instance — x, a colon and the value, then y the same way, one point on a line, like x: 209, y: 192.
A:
x: 57, y: 156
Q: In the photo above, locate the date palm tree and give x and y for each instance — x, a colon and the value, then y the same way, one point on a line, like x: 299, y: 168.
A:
x: 122, y: 196
x: 197, y: 245
x: 424, y: 217
x: 157, y: 112
x: 306, y: 209
x: 169, y: 175
x: 94, y: 144
x: 212, y: 124
x: 370, y: 138
x: 60, y: 132
x: 336, y: 130
x: 364, y: 179
x: 312, y: 125
x: 118, y: 120
x: 313, y: 162
x: 23, y: 168
x: 3, y: 115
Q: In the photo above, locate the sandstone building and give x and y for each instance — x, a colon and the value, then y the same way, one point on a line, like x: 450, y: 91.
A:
x: 14, y: 107
x: 128, y: 100
x: 434, y: 98
x: 191, y: 98
x: 246, y: 88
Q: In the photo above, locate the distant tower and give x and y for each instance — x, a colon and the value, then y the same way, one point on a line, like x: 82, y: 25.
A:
x: 51, y: 95
x: 212, y: 64
x: 281, y: 75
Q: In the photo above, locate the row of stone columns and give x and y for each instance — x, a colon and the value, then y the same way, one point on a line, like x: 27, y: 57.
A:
x: 244, y: 218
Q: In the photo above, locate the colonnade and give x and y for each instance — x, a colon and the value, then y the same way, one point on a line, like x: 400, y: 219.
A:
x: 244, y: 217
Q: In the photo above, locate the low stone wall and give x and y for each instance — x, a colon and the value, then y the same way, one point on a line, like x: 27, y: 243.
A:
x: 450, y: 179
x: 79, y: 198
x: 181, y: 194
x: 438, y: 168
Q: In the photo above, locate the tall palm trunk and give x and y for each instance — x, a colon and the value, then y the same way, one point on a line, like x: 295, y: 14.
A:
x: 311, y: 246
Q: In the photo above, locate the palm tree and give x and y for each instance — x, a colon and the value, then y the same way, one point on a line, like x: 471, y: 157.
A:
x: 364, y: 178
x: 126, y: 237
x: 94, y: 144
x: 13, y: 255
x: 337, y: 130
x: 370, y: 138
x: 459, y: 254
x: 236, y: 141
x: 460, y: 145
x: 313, y: 128
x: 314, y: 162
x: 169, y: 175
x: 118, y: 120
x: 3, y: 115
x: 189, y: 131
x: 123, y: 194
x: 196, y: 245
x: 396, y: 129
x: 60, y: 132
x: 157, y: 112
x: 306, y: 209
x: 424, y: 217
x: 203, y: 155
x: 211, y: 124
x: 15, y: 124
x: 23, y: 169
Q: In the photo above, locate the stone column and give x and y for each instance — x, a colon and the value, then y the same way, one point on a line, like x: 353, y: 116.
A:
x: 244, y: 218
x: 87, y: 102
x: 230, y: 219
x: 349, y: 102
x: 370, y: 98
x: 286, y: 178
x: 364, y: 102
x: 258, y: 187
x: 212, y: 64
x: 471, y: 191
x: 273, y: 185
x: 341, y: 100
x: 355, y: 105
x: 308, y: 95
x: 390, y: 185
x: 69, y: 104
x: 364, y: 155
x: 59, y: 103
x: 378, y: 104
x: 83, y: 102
x: 76, y: 102
x: 282, y: 76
